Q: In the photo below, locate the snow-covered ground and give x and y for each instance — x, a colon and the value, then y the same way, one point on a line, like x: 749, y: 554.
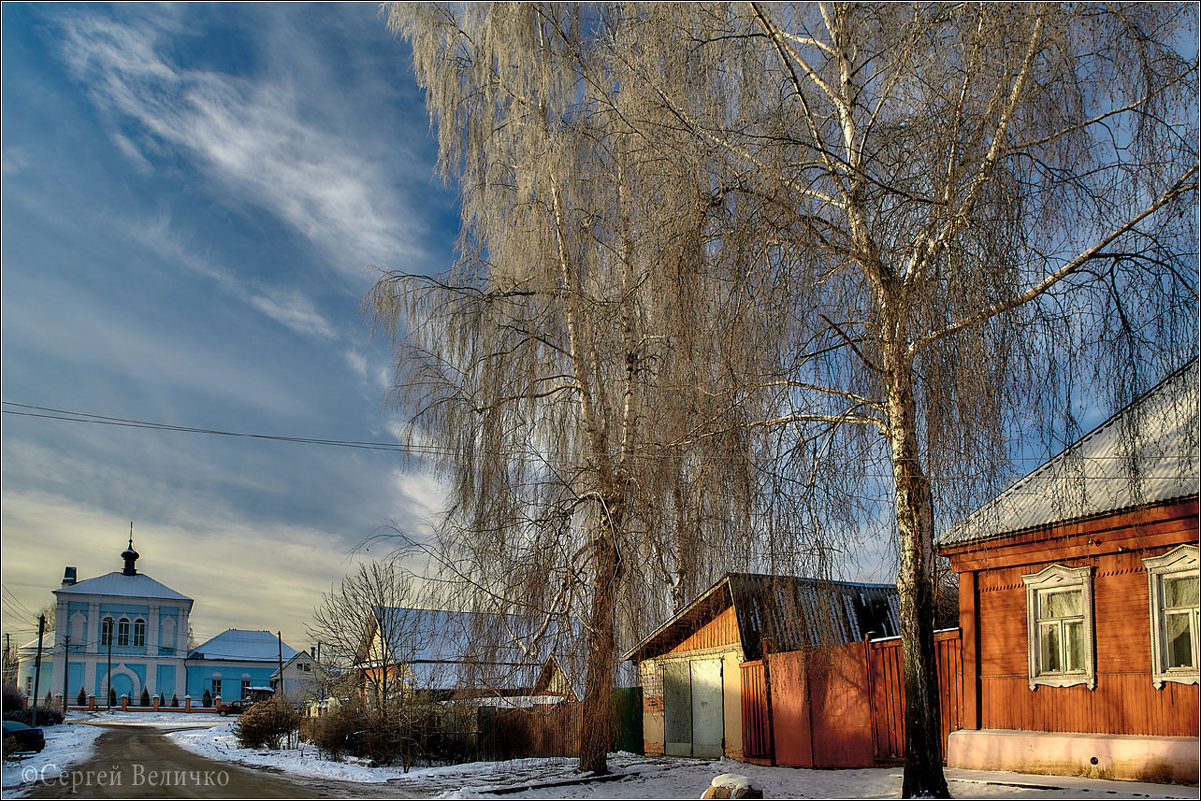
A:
x: 640, y: 777
x: 66, y: 744
x: 652, y: 777
x: 160, y: 720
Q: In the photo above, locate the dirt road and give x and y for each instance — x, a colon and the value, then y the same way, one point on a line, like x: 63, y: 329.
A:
x: 139, y: 762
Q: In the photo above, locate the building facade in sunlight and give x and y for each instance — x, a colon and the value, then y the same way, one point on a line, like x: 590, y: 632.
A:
x: 124, y: 637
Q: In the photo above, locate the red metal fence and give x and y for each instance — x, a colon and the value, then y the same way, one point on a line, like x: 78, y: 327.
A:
x: 841, y: 706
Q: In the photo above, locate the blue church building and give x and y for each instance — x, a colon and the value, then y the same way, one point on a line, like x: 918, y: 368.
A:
x: 128, y: 632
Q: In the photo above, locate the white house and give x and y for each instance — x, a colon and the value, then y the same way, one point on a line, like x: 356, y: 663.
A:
x: 301, y: 676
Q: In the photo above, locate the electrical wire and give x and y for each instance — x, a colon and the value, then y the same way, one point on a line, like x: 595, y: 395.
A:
x: 50, y: 413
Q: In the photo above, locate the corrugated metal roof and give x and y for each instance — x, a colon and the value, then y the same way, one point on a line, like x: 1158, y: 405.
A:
x: 783, y: 613
x: 117, y: 583
x: 1146, y: 453
x: 243, y: 645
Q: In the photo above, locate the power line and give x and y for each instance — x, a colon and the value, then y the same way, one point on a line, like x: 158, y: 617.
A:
x: 67, y: 415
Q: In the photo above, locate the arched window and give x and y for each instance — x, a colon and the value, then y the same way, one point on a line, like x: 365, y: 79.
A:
x: 122, y: 632
x: 78, y: 630
x: 139, y: 633
x: 166, y: 637
x: 106, y: 631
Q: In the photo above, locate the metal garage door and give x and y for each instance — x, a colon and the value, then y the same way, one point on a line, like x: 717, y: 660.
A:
x: 677, y: 709
x: 693, y: 722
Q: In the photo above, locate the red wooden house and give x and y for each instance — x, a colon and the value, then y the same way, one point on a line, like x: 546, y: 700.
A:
x: 1078, y: 604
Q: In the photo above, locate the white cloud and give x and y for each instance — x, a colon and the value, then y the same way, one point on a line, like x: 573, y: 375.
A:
x: 15, y: 160
x: 294, y: 310
x: 420, y: 499
x: 288, y: 307
x: 257, y: 141
x: 357, y: 363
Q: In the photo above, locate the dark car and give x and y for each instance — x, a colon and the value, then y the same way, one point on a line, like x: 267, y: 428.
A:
x: 234, y: 707
x: 27, y: 738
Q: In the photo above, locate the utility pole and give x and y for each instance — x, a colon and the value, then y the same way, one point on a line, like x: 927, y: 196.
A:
x: 66, y: 666
x: 108, y: 677
x: 37, y: 670
x: 279, y: 689
x: 10, y: 676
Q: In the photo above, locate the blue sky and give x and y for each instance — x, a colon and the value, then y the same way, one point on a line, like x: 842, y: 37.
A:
x: 195, y: 200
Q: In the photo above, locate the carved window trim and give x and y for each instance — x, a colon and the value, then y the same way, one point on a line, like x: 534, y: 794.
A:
x: 1181, y: 561
x: 1057, y: 578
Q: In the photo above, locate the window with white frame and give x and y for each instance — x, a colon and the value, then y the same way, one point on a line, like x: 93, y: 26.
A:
x: 106, y: 631
x: 1172, y: 585
x: 139, y: 633
x: 123, y: 632
x: 1059, y: 626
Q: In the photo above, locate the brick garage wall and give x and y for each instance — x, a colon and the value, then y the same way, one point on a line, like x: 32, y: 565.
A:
x: 652, y: 706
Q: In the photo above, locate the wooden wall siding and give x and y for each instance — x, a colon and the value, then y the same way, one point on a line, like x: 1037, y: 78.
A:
x: 756, y: 731
x: 720, y: 631
x: 888, y: 692
x: 1124, y: 701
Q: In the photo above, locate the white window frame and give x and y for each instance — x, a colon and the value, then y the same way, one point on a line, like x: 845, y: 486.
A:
x: 1058, y: 577
x: 1179, y: 562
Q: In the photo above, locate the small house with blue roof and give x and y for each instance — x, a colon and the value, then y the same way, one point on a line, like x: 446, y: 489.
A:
x: 230, y: 664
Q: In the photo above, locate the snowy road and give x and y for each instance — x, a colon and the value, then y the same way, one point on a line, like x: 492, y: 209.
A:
x: 139, y: 762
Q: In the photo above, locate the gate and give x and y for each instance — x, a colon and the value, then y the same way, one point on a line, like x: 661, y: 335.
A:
x: 887, y: 684
x: 756, y: 721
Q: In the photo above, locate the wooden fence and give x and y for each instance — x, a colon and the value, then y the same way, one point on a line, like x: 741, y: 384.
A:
x: 840, y: 706
x: 518, y: 733
x: 554, y: 730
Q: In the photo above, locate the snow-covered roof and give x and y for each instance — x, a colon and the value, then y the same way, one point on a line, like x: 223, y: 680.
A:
x: 244, y: 646
x: 1146, y: 453
x: 117, y: 583
x: 447, y: 649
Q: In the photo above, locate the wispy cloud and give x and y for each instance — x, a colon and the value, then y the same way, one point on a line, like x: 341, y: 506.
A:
x: 288, y: 307
x: 259, y: 140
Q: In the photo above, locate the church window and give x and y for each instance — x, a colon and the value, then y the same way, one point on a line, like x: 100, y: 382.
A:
x: 106, y: 631
x: 122, y: 632
x: 139, y: 632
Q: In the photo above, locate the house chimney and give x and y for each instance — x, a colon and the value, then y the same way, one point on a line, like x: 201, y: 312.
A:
x: 313, y: 652
x: 68, y: 577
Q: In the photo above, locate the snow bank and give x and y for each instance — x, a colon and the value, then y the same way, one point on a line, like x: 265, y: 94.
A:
x: 66, y: 744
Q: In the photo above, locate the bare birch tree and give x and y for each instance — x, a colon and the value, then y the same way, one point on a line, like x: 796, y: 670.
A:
x: 970, y: 203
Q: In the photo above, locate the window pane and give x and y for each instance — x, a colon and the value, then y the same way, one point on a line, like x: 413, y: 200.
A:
x: 1059, y: 604
x: 1049, y: 648
x: 1073, y: 633
x: 1180, y: 640
x: 1180, y: 591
